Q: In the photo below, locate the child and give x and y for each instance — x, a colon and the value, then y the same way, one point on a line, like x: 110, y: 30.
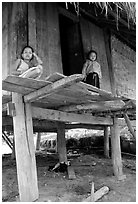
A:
x: 92, y: 70
x: 30, y: 65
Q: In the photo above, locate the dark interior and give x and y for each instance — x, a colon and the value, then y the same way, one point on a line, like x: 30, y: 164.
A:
x: 71, y: 46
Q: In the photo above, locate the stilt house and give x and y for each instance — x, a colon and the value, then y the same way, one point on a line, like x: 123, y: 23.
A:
x: 62, y: 34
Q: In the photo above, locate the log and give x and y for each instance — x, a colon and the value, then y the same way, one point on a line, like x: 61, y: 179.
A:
x: 116, y: 150
x: 98, y: 194
x: 61, y: 143
x: 94, y: 106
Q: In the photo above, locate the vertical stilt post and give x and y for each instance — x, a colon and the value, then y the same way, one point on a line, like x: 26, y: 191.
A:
x: 106, y: 142
x: 13, y: 150
x: 25, y: 150
x: 61, y: 142
x: 116, y: 150
x: 38, y: 141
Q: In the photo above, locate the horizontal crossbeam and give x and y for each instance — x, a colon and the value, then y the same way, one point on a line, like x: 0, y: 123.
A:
x: 55, y: 115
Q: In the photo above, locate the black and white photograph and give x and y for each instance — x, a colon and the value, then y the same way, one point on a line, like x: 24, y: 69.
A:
x: 68, y: 101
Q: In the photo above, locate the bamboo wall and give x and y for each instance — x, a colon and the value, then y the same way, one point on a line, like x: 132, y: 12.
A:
x: 124, y: 65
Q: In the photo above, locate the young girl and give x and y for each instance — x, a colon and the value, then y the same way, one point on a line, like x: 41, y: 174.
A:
x: 30, y: 65
x: 92, y: 70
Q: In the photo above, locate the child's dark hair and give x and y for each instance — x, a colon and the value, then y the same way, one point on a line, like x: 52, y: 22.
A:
x: 27, y: 46
x: 88, y: 55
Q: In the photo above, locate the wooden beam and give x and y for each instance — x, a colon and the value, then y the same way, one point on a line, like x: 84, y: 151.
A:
x: 55, y: 115
x: 61, y: 142
x: 38, y: 141
x: 106, y: 142
x: 116, y: 150
x: 13, y: 150
x: 107, y: 95
x: 25, y: 150
x: 98, y: 194
x: 95, y: 106
x: 42, y: 92
x: 68, y: 14
x: 109, y: 60
x: 48, y: 126
x: 129, y: 125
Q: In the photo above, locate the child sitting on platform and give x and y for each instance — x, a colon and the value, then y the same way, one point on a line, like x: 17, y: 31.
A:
x: 92, y: 70
x: 30, y: 65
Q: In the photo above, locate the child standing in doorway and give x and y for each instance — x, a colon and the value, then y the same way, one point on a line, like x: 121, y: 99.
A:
x: 29, y: 65
x: 92, y: 70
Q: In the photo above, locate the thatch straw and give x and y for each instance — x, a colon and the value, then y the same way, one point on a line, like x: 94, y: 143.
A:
x: 124, y: 9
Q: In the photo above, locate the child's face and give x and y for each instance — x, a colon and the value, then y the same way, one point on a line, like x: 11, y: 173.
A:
x: 27, y: 54
x: 92, y: 56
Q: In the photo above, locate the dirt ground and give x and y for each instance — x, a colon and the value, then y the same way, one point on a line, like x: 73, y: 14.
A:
x: 56, y: 187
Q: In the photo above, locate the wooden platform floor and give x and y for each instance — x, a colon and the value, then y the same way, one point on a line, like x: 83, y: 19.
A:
x: 56, y: 91
x: 64, y: 94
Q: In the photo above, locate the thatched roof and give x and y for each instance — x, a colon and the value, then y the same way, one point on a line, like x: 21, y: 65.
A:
x: 125, y: 10
x: 118, y: 17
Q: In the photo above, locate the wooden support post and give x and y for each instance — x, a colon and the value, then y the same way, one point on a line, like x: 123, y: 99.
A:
x: 13, y: 150
x: 129, y: 125
x: 106, y: 142
x: 25, y: 150
x: 61, y: 142
x: 38, y: 141
x: 116, y: 150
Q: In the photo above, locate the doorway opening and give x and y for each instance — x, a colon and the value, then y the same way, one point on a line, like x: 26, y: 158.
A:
x: 71, y: 46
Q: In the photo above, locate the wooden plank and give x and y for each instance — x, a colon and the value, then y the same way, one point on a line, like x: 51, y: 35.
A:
x: 65, y: 82
x: 55, y: 77
x: 69, y: 117
x: 16, y: 88
x: 95, y: 89
x: 27, y: 82
x: 45, y: 125
x: 25, y: 150
x: 32, y: 35
x: 95, y: 106
x: 5, y: 70
x: 54, y: 47
x: 107, y: 39
x: 71, y: 173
